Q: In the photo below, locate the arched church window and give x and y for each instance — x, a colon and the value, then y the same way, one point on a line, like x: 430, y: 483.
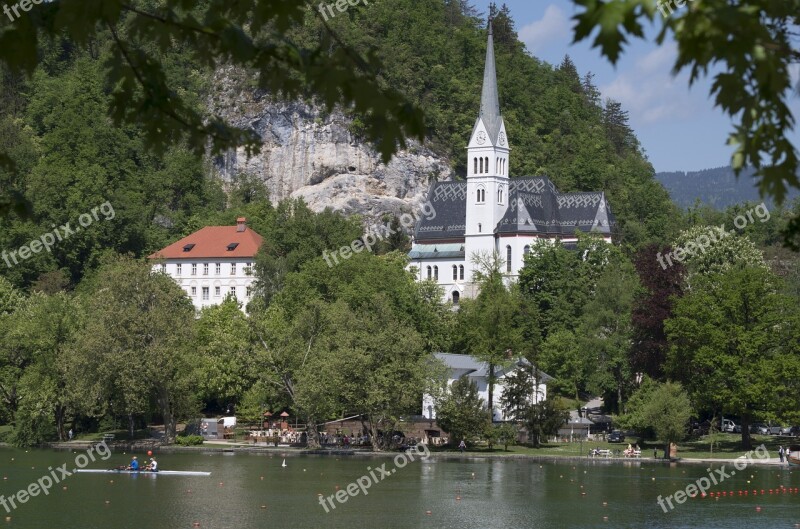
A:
x: 487, y: 164
x: 455, y: 273
x: 508, y: 258
x: 526, y: 250
x: 429, y: 272
x: 436, y: 273
x: 479, y: 227
x: 475, y: 170
x: 481, y: 164
x: 461, y: 271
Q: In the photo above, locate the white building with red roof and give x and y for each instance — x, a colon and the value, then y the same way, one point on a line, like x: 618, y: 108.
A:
x: 212, y: 263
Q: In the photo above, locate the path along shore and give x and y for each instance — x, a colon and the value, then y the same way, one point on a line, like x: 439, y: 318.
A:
x: 287, y: 451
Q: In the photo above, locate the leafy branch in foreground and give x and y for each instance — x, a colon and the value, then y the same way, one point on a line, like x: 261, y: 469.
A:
x: 252, y: 34
x: 753, y: 42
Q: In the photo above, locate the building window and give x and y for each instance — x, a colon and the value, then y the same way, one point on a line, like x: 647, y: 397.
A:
x: 456, y: 296
x: 429, y: 273
x: 249, y: 292
x: 475, y: 170
x: 205, y: 293
x: 455, y: 273
x: 436, y: 273
x: 233, y: 269
x: 233, y: 292
x: 461, y: 272
x: 205, y: 269
x: 218, y: 269
x: 481, y: 165
x: 164, y: 268
x: 178, y: 269
x: 526, y: 250
x: 480, y: 228
x: 248, y: 269
x: 481, y: 195
x: 508, y: 258
x: 194, y: 269
x: 217, y: 292
x: 194, y: 292
x: 487, y: 164
x: 500, y: 196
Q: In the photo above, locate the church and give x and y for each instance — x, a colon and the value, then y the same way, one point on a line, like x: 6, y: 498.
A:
x: 492, y: 212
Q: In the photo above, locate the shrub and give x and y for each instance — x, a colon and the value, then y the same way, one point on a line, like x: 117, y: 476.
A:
x: 189, y: 440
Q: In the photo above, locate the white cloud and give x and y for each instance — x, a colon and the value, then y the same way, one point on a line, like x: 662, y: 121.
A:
x: 650, y: 92
x: 552, y: 29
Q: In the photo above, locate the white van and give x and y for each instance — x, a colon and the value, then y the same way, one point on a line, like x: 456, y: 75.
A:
x: 730, y: 426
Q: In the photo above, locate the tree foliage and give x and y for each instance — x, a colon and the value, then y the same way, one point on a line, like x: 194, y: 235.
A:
x: 461, y: 412
x: 754, y: 41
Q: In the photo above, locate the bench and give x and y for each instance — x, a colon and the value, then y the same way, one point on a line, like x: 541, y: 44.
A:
x: 600, y: 453
x: 108, y: 437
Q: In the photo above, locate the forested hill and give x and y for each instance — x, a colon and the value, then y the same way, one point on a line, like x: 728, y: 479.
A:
x: 70, y: 158
x: 718, y: 187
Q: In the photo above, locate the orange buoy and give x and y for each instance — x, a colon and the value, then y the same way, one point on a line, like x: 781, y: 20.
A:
x: 149, y: 452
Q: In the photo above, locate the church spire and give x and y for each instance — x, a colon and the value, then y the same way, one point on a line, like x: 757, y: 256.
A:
x: 490, y: 100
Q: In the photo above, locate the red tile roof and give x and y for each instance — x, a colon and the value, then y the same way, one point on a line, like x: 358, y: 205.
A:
x: 212, y: 242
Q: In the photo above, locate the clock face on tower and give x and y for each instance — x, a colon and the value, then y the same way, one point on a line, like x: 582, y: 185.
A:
x: 502, y: 138
x: 481, y: 138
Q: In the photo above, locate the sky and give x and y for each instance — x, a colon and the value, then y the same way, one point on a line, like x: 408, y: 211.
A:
x: 679, y: 127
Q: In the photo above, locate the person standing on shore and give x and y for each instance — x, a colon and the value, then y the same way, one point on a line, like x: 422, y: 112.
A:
x: 780, y: 453
x: 462, y: 446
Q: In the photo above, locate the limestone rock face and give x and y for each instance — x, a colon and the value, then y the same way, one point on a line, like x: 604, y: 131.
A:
x: 310, y: 153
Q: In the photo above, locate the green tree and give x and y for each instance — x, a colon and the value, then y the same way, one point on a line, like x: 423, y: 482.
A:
x: 135, y: 343
x: 222, y: 356
x: 461, y: 412
x: 663, y: 407
x: 545, y: 418
x: 733, y: 344
x: 487, y: 325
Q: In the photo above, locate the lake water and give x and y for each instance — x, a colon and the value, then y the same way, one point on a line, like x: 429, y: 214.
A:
x: 497, y: 494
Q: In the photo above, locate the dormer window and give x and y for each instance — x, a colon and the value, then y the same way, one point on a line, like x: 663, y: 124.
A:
x: 188, y: 247
x: 232, y: 246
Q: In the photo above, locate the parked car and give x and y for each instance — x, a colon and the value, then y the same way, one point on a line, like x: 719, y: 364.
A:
x: 794, y: 431
x: 787, y: 430
x: 616, y: 437
x: 759, y: 428
x: 775, y: 430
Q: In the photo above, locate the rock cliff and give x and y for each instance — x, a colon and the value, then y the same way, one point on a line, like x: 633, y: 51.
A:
x: 310, y: 153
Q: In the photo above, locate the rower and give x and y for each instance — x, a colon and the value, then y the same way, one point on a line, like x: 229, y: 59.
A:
x: 153, y: 465
x: 134, y: 464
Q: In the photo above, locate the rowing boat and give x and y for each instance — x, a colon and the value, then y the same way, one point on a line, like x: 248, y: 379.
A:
x: 148, y: 472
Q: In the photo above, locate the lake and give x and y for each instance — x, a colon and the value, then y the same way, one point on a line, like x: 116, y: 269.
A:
x: 435, y: 492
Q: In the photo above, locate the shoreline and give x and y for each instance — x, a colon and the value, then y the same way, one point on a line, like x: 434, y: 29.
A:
x: 287, y: 451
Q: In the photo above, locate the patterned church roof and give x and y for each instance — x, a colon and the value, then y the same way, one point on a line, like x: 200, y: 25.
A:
x: 535, y: 207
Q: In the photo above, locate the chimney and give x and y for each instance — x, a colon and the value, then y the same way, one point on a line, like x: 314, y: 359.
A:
x: 241, y: 224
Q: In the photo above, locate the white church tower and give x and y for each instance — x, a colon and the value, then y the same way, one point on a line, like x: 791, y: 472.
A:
x: 487, y: 168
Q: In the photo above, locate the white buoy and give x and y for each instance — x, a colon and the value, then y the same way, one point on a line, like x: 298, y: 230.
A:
x: 284, y: 464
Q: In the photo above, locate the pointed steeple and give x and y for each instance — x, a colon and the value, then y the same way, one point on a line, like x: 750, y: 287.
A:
x: 490, y: 100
